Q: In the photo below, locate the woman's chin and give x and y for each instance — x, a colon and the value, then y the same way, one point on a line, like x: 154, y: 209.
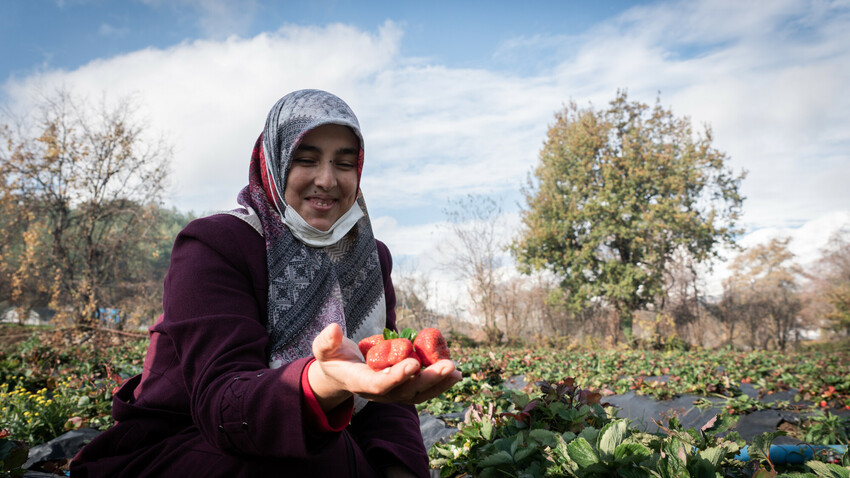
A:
x: 321, y: 224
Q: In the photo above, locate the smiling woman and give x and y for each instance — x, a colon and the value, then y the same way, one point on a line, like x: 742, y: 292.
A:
x: 253, y: 368
x: 323, y: 178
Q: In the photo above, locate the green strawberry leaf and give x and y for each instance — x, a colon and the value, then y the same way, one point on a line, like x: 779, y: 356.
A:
x: 497, y: 459
x: 713, y: 455
x: 543, y: 437
x: 611, y: 436
x: 700, y: 467
x: 408, y: 333
x: 390, y: 334
x: 828, y: 469
x: 582, y: 453
x: 631, y: 453
x: 524, y: 453
x: 487, y: 430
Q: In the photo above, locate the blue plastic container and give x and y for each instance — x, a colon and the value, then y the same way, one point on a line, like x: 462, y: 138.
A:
x: 792, y: 454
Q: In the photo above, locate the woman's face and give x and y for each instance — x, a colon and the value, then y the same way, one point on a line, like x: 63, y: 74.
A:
x: 322, y: 181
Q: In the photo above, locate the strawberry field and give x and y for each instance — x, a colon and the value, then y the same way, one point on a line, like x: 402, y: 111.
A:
x: 521, y: 412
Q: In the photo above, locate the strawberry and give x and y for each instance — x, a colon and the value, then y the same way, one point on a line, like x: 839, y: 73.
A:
x: 369, y: 342
x: 430, y: 346
x: 387, y: 353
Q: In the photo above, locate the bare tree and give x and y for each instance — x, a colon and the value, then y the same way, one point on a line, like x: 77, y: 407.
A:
x: 682, y: 296
x: 476, y: 255
x: 829, y: 288
x: 93, y: 182
x: 415, y: 291
x: 763, y: 288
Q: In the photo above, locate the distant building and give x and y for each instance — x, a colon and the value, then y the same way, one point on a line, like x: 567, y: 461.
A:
x: 36, y: 316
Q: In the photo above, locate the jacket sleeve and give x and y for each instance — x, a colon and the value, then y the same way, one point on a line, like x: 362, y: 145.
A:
x: 215, y: 321
x: 389, y: 434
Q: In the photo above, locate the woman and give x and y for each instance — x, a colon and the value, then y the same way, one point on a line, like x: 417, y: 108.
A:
x: 253, y: 369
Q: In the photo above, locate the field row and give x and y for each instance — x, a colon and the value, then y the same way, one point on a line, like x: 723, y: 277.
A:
x: 552, y: 422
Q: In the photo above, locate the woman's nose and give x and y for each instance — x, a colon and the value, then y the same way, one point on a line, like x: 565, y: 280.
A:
x: 326, y: 176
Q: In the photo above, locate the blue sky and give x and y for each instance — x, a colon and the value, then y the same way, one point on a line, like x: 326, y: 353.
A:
x: 455, y: 97
x: 68, y: 34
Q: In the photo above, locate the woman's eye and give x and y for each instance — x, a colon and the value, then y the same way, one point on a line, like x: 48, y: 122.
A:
x: 345, y: 165
x: 304, y: 161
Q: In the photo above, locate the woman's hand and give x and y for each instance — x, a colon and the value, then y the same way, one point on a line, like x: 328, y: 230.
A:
x: 339, y: 371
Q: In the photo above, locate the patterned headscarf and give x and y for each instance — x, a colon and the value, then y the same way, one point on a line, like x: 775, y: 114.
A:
x: 309, y: 287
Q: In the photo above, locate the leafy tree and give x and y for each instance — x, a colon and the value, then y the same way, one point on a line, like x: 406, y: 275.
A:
x: 616, y: 193
x: 86, y: 182
x: 23, y: 247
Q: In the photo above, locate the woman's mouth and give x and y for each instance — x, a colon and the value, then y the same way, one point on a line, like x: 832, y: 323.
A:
x: 322, y: 203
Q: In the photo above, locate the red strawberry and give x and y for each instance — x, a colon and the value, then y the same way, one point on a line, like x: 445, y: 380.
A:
x: 369, y: 342
x: 431, y: 346
x: 387, y: 353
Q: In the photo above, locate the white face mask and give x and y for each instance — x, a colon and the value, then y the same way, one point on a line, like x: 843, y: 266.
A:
x: 314, y: 237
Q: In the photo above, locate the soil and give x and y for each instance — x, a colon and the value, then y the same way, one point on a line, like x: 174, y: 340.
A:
x: 13, y: 334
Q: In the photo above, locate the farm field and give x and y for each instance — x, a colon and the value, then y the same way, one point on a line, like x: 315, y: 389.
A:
x: 530, y: 411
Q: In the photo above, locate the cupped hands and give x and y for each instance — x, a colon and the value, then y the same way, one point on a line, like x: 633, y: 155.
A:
x: 340, y: 371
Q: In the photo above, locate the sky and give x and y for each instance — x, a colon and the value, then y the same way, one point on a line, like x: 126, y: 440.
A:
x: 455, y: 97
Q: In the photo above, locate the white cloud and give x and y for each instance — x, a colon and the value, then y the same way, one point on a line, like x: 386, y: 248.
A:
x: 211, y: 98
x: 807, y: 242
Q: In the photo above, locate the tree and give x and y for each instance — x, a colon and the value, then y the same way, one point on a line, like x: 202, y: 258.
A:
x: 834, y: 280
x: 764, y: 286
x: 682, y: 295
x: 476, y: 255
x: 615, y: 194
x: 527, y: 311
x: 92, y: 182
x: 414, y: 291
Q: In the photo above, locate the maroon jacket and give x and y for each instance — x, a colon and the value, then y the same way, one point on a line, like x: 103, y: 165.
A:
x: 207, y: 404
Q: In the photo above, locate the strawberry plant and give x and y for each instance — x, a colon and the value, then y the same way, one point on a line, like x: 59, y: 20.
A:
x: 521, y: 435
x: 827, y: 429
x: 565, y: 431
x: 550, y: 427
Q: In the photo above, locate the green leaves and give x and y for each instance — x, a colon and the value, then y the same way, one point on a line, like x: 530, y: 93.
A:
x: 610, y: 437
x: 557, y: 432
x: 407, y: 333
x: 759, y: 449
x: 582, y: 453
x: 631, y: 452
x: 501, y: 457
x: 828, y: 470
x: 487, y: 430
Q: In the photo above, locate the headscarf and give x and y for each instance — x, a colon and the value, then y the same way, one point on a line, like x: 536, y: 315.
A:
x: 310, y: 287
